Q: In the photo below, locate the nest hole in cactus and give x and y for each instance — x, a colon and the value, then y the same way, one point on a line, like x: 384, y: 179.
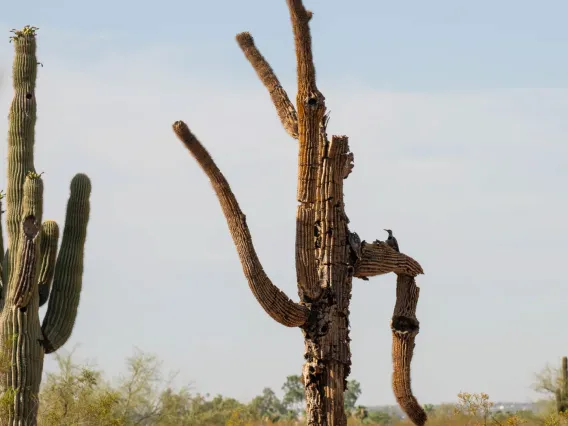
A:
x: 404, y: 324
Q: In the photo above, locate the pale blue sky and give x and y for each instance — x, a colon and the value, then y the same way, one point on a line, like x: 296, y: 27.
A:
x: 456, y: 115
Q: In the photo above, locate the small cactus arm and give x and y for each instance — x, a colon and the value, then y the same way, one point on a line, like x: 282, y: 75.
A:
x: 284, y: 108
x: 48, y: 249
x: 33, y: 273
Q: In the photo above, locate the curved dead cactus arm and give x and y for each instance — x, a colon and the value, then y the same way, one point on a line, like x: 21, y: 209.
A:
x: 285, y: 109
x: 379, y: 258
x: 405, y: 326
x: 276, y: 304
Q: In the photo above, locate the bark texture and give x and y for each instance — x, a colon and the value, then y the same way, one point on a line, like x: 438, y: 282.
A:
x: 31, y: 264
x: 328, y: 255
x: 271, y: 298
x: 405, y: 326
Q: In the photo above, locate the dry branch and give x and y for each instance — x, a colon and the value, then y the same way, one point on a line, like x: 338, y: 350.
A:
x: 284, y: 108
x: 271, y: 298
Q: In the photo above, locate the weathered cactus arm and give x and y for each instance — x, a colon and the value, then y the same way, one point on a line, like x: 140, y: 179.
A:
x: 20, y: 136
x: 284, y: 108
x: 310, y: 104
x: 405, y: 326
x: 276, y: 304
x: 306, y: 70
x: 68, y: 276
x: 48, y: 252
x: 379, y: 258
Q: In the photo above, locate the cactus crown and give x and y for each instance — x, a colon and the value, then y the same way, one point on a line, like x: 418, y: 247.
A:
x: 27, y: 31
x: 33, y: 175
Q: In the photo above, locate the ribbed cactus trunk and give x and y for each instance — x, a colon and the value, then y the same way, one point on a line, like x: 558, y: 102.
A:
x: 31, y: 266
x: 328, y: 255
x: 562, y: 390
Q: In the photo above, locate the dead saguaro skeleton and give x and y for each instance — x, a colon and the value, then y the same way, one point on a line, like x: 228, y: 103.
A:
x: 328, y: 255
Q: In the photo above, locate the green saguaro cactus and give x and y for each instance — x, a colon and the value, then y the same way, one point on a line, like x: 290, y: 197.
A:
x: 32, y: 273
x: 562, y: 390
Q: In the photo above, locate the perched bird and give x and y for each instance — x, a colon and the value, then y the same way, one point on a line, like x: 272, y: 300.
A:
x: 355, y: 243
x: 391, y: 241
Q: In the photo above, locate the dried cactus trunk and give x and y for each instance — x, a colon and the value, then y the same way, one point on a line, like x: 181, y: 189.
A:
x: 562, y: 390
x: 30, y: 264
x: 328, y: 255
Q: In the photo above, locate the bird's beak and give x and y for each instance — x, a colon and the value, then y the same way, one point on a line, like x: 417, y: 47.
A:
x: 385, y: 230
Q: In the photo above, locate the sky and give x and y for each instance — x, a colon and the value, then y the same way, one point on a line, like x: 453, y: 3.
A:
x: 456, y: 114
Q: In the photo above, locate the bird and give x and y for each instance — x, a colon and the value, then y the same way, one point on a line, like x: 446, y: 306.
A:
x: 355, y: 243
x: 391, y: 241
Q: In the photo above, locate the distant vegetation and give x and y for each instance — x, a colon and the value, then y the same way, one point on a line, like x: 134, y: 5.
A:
x: 78, y: 394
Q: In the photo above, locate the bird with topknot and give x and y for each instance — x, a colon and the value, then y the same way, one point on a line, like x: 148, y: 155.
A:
x: 391, y: 241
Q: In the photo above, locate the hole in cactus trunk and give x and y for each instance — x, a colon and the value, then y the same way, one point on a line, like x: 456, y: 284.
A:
x: 28, y: 95
x: 30, y: 227
x: 404, y: 324
x: 23, y: 309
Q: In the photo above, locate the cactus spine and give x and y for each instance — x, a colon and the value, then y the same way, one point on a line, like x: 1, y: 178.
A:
x: 562, y: 390
x: 32, y: 273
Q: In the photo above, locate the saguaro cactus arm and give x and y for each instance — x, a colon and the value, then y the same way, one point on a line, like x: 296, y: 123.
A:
x: 405, y: 326
x: 312, y: 121
x: 68, y: 275
x: 306, y: 70
x: 284, y: 108
x: 276, y: 304
x: 379, y: 258
x: 48, y: 252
